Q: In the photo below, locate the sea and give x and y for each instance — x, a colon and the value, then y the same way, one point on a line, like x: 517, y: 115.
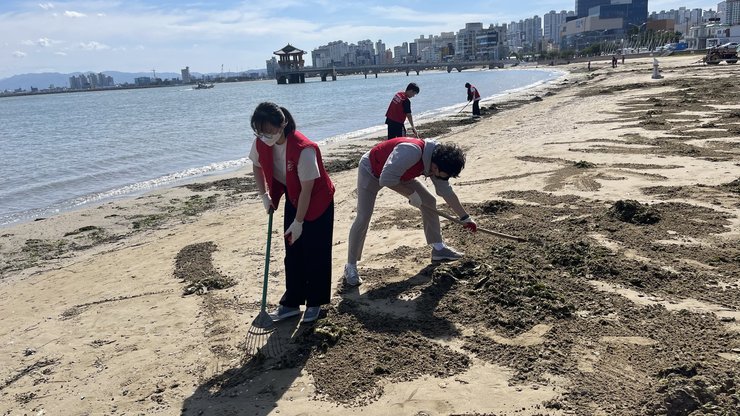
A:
x: 60, y: 152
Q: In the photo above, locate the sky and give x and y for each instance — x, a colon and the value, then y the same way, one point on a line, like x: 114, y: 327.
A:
x: 166, y: 36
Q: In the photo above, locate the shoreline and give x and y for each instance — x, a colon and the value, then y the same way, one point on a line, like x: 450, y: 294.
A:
x: 624, y: 300
x: 233, y: 166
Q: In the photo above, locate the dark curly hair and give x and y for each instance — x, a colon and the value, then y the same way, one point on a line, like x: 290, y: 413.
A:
x: 449, y: 158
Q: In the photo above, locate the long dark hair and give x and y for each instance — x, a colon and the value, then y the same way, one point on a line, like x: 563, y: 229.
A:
x: 273, y: 115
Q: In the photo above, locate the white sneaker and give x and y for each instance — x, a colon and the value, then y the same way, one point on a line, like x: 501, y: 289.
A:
x: 351, y: 276
x: 283, y: 312
x: 312, y: 313
x: 445, y: 253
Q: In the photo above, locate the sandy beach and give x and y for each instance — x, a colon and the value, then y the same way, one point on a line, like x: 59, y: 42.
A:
x: 624, y: 300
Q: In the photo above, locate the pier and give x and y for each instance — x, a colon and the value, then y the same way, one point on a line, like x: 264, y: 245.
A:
x: 297, y: 75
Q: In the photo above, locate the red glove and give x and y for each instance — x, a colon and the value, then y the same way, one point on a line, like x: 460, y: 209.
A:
x: 469, y: 224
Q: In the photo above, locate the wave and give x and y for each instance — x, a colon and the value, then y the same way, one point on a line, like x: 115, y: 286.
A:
x: 122, y: 191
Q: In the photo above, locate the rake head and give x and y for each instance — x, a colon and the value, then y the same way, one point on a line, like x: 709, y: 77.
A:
x: 260, y: 341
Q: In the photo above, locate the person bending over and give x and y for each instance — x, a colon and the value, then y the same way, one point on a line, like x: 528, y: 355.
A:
x: 397, y: 164
x: 474, y: 96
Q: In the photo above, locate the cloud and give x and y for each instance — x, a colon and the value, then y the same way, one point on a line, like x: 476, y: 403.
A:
x: 68, y: 13
x: 43, y: 42
x: 19, y: 54
x: 411, y: 16
x: 93, y: 46
x: 46, y: 6
x: 60, y: 53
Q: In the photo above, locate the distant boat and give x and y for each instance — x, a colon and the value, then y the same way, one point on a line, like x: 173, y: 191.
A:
x: 203, y: 86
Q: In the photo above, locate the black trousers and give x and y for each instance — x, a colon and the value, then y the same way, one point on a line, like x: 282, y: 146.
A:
x: 476, y: 108
x: 308, y: 260
x: 395, y: 129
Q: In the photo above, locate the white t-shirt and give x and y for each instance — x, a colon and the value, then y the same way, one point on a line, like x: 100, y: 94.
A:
x: 308, y: 165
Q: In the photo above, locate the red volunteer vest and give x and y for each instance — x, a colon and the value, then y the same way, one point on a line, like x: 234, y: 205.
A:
x: 381, y: 151
x: 474, y: 91
x: 395, y: 108
x: 323, y: 189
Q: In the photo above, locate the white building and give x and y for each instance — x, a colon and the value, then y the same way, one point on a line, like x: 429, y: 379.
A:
x: 553, y: 24
x: 465, y: 49
x: 421, y: 44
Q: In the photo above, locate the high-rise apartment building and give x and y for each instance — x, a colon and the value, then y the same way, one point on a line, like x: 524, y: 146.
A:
x: 732, y: 12
x: 185, y: 72
x: 552, y: 25
x: 533, y: 33
x: 631, y: 11
x: 444, y: 45
x: 489, y: 43
x: 422, y: 44
x: 380, y: 57
x: 271, y: 65
x: 401, y: 53
x: 465, y: 49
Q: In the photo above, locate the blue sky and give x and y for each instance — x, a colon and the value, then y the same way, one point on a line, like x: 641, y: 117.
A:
x: 138, y: 36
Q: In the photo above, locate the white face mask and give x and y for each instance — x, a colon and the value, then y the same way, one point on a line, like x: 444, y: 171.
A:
x: 271, y: 139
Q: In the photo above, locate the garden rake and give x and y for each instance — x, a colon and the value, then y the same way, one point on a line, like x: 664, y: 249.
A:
x: 461, y: 110
x: 259, y: 340
x: 483, y: 230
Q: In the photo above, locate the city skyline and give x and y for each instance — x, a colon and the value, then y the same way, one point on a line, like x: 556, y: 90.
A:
x: 137, y: 36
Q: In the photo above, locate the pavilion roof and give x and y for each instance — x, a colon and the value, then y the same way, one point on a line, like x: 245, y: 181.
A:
x: 289, y: 50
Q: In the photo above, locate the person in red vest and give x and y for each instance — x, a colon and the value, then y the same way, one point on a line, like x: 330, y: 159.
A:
x: 286, y: 162
x: 399, y: 110
x: 474, y: 96
x: 397, y: 163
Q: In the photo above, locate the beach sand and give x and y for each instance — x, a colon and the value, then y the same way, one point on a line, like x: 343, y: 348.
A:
x: 624, y: 300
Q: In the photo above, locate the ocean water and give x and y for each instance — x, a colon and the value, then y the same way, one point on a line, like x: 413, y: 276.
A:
x: 63, y: 151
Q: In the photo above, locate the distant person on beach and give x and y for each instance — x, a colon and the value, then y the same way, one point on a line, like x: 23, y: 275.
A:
x: 614, y: 61
x: 397, y: 163
x: 473, y: 96
x: 399, y: 110
x: 286, y: 162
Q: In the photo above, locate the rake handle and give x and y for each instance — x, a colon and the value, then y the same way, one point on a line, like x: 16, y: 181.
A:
x: 461, y: 110
x: 481, y: 229
x: 263, y: 307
